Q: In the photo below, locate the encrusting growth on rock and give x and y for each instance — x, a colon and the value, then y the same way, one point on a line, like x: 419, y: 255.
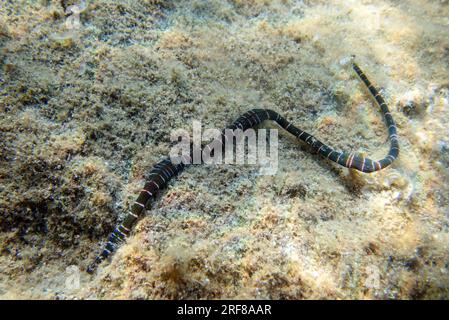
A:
x: 165, y: 170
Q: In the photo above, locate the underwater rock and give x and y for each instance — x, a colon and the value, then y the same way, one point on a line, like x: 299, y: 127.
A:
x: 86, y: 112
x: 413, y: 103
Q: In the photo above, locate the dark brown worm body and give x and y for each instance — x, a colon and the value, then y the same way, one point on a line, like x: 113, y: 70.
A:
x: 165, y: 170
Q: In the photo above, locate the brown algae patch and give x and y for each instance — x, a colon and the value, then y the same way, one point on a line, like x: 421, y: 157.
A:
x: 84, y: 118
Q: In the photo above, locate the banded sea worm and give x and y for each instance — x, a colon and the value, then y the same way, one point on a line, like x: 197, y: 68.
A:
x: 165, y: 170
